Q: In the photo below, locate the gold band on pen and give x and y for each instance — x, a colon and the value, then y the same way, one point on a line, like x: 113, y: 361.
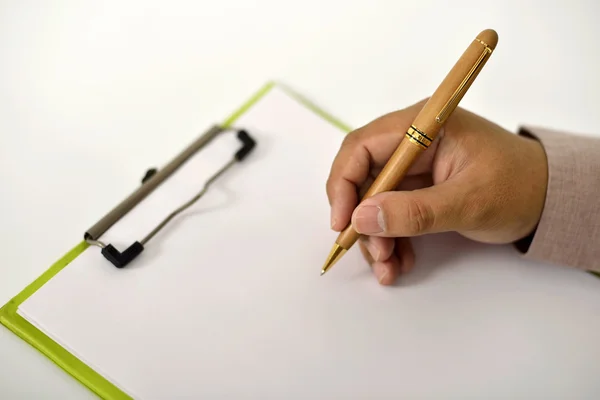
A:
x: 482, y: 42
x: 417, y: 137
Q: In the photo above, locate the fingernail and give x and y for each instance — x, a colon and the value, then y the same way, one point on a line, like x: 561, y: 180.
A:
x: 333, y: 221
x: 373, y: 250
x: 382, y: 277
x: 380, y: 272
x: 368, y: 220
x: 365, y: 246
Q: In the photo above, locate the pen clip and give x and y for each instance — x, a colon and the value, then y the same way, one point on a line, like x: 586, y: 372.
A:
x: 453, y: 101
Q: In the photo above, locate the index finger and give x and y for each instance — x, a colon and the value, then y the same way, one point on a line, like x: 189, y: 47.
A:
x: 362, y: 151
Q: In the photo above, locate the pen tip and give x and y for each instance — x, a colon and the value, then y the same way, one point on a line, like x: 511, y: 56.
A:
x: 336, y: 253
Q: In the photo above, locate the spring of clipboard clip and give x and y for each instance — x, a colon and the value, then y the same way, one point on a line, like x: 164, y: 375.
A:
x: 121, y: 259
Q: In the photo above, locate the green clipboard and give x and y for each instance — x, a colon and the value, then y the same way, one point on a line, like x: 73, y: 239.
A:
x: 60, y: 356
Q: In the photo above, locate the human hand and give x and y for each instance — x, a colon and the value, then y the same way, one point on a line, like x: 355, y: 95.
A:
x: 476, y: 179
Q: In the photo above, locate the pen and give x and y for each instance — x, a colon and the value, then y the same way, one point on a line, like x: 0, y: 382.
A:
x: 424, y: 129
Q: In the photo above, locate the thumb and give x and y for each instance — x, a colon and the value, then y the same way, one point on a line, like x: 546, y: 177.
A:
x: 438, y: 208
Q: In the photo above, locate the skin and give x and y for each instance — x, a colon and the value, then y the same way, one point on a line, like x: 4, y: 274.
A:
x: 477, y: 179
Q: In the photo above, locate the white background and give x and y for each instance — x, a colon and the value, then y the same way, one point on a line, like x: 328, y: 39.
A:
x: 124, y: 85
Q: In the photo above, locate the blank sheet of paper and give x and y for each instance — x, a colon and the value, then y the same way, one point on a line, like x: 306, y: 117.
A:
x: 227, y: 302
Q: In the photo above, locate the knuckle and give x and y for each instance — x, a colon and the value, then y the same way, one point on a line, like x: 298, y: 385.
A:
x: 330, y: 183
x: 420, y: 217
x: 329, y: 187
x: 351, y: 138
x: 340, y: 162
x: 332, y: 187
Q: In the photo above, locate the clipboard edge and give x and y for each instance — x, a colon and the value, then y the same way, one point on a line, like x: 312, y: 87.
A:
x: 314, y: 107
x: 79, y: 370
x: 48, y: 347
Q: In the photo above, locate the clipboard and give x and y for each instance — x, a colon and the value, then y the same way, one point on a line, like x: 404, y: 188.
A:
x: 31, y: 334
x: 470, y: 320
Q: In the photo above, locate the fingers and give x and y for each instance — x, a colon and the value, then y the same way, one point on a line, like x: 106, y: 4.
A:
x: 386, y: 271
x: 406, y: 254
x: 400, y: 261
x: 350, y: 170
x: 363, y: 151
x: 379, y: 248
x: 438, y: 208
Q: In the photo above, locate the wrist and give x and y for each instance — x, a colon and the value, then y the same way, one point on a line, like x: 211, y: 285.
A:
x: 539, y: 164
x: 539, y: 184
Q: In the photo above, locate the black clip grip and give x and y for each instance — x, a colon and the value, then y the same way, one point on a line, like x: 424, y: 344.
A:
x: 149, y: 174
x: 248, y: 145
x: 119, y: 259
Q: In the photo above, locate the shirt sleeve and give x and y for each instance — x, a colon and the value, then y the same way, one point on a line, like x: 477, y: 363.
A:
x: 568, y: 232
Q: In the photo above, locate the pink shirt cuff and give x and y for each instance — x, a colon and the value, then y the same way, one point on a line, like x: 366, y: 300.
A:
x: 568, y: 232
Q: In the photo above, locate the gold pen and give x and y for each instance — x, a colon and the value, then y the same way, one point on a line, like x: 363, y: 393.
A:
x: 424, y: 129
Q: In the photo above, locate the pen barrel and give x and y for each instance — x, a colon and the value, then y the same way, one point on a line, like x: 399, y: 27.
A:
x: 453, y: 88
x: 429, y: 121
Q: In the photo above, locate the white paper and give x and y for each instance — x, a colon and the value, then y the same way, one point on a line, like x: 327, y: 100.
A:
x: 227, y: 302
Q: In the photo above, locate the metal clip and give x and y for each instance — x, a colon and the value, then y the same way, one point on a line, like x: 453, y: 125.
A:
x: 445, y: 112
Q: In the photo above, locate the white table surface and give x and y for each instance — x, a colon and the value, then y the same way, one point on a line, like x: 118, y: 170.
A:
x: 92, y: 93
